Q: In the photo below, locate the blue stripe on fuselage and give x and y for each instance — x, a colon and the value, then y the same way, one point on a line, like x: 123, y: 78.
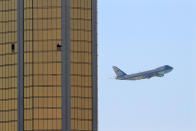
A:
x: 147, y: 74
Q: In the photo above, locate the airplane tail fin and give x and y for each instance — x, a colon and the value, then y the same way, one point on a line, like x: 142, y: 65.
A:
x: 118, y: 71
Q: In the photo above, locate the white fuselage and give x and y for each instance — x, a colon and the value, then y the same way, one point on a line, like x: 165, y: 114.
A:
x: 159, y: 72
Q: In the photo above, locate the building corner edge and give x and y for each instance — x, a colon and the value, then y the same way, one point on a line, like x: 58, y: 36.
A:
x: 94, y: 66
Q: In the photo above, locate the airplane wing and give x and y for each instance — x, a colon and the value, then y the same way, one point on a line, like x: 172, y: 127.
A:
x: 149, y: 75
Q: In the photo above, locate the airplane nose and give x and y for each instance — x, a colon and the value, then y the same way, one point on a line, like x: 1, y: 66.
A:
x: 171, y: 68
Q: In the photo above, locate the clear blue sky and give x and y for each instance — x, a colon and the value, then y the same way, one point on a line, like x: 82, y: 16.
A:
x: 138, y: 35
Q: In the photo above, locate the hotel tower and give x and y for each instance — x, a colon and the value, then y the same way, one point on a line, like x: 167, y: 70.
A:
x: 48, y: 65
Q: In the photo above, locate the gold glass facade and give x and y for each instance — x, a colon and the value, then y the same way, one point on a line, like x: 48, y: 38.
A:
x: 81, y: 65
x: 43, y: 65
x: 8, y: 65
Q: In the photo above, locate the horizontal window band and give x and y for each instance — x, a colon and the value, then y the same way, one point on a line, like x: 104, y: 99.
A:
x: 9, y: 121
x: 37, y: 75
x: 8, y: 54
x: 6, y: 65
x: 80, y: 108
x: 80, y: 75
x: 8, y: 32
x: 43, y: 119
x: 80, y: 86
x: 9, y: 99
x: 38, y: 97
x: 80, y: 62
x: 6, y: 43
x: 9, y: 110
x: 41, y: 18
x: 30, y: 42
x: 31, y: 75
x: 39, y: 108
x: 9, y: 21
x: 43, y: 108
x: 79, y: 130
x: 54, y: 18
x: 41, y: 51
x: 47, y: 62
x: 83, y: 41
x: 9, y: 88
x: 46, y: 130
x: 41, y: 97
x: 8, y: 10
x: 54, y: 97
x: 80, y: 8
x: 41, y: 29
x: 49, y: 51
x: 50, y: 40
x: 80, y: 97
x: 85, y: 30
x: 43, y: 86
x: 88, y: 63
x: 8, y: 77
x: 80, y: 19
x: 85, y: 52
x: 51, y: 29
x: 77, y: 119
x: 43, y: 40
x: 41, y: 7
x: 5, y: 1
x: 53, y: 108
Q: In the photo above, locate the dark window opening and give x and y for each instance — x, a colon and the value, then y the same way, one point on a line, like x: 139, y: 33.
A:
x: 13, y: 47
x: 58, y: 47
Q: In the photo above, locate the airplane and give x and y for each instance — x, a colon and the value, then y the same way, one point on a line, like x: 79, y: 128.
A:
x: 158, y: 72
